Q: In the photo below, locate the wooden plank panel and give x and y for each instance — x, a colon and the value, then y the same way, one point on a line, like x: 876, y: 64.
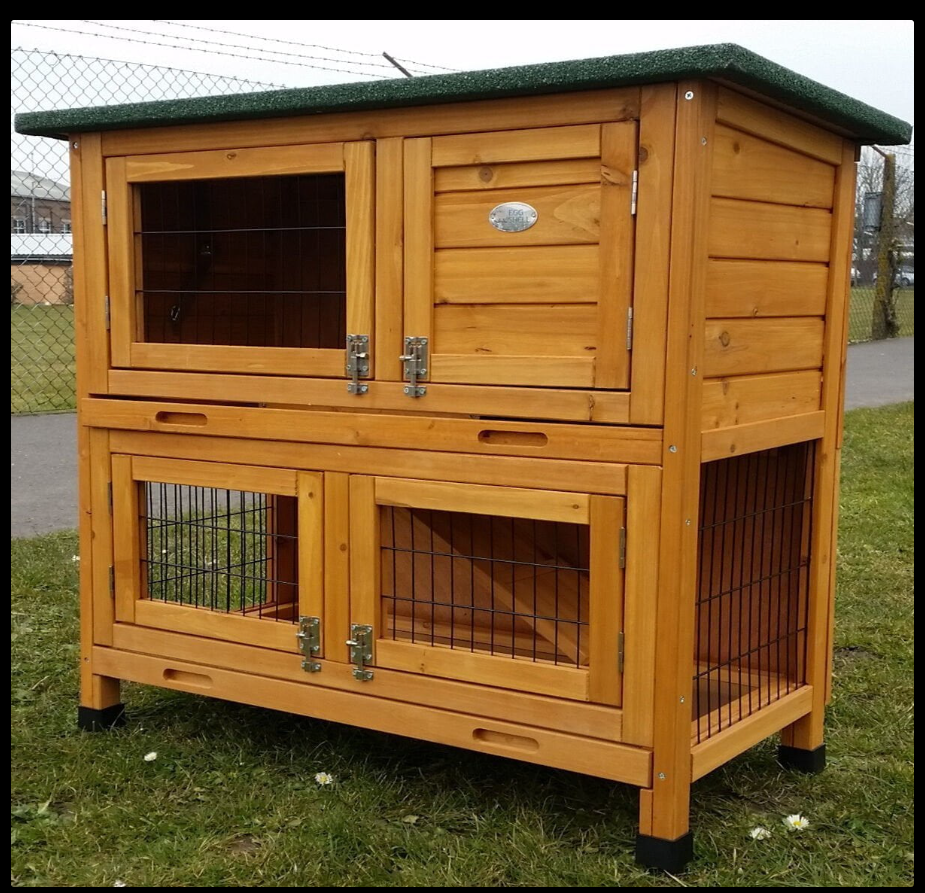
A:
x: 335, y: 620
x: 552, y: 474
x: 618, y: 163
x: 390, y: 247
x: 224, y: 163
x: 249, y: 478
x: 555, y: 274
x: 765, y: 288
x: 508, y: 502
x: 120, y: 246
x: 721, y: 443
x: 509, y: 402
x: 577, y: 718
x: 570, y: 372
x: 507, y: 176
x: 750, y: 168
x: 539, y: 144
x: 568, y: 215
x: 484, y: 669
x: 777, y: 126
x: 491, y: 437
x: 653, y: 236
x: 747, y: 346
x: 419, y: 238
x: 583, y: 107
x: 607, y: 603
x: 126, y: 548
x: 531, y: 330
x: 225, y: 358
x: 360, y: 189
x: 603, y: 759
x: 754, y: 398
x: 364, y: 543
x: 768, y: 232
x: 97, y: 611
x: 310, y: 489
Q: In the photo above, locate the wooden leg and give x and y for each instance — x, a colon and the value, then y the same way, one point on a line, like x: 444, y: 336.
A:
x: 802, y: 746
x: 665, y: 845
x: 100, y: 707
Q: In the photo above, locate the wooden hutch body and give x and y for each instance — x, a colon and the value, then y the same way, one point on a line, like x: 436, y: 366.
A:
x: 556, y: 480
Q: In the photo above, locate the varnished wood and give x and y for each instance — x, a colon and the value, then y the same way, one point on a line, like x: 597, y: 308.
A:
x: 721, y: 443
x: 419, y: 238
x: 754, y: 288
x: 363, y: 549
x: 565, y: 371
x: 360, y: 191
x: 515, y: 174
x: 742, y: 399
x: 390, y: 249
x: 120, y: 246
x: 127, y: 524
x: 249, y: 478
x: 583, y: 141
x: 335, y: 627
x: 310, y: 490
x: 750, y: 346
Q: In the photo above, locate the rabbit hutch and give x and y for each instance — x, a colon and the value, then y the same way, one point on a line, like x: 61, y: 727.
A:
x: 497, y: 409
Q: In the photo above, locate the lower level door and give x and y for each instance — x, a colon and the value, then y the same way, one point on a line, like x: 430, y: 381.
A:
x: 229, y: 552
x: 514, y: 588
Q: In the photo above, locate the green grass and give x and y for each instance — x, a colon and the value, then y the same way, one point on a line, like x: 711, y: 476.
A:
x: 41, y: 358
x: 861, y: 312
x: 231, y: 801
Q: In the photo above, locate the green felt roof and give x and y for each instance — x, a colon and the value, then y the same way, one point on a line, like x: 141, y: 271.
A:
x: 726, y: 61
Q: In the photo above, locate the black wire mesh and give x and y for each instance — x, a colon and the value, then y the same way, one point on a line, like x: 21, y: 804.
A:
x: 222, y: 550
x: 753, y: 601
x: 503, y: 586
x: 257, y: 261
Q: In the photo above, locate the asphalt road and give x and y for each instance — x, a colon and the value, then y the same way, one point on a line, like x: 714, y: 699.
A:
x: 43, y: 454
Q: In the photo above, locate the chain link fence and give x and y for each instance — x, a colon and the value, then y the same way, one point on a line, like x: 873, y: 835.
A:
x: 41, y: 283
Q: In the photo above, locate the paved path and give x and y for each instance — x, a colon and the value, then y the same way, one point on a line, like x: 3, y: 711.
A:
x: 43, y: 472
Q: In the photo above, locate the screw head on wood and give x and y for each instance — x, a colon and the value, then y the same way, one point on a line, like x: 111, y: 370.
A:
x: 672, y: 449
x: 662, y: 776
x: 689, y: 95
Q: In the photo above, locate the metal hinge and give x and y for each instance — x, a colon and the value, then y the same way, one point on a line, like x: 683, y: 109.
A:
x: 414, y: 360
x: 629, y: 329
x: 357, y: 363
x: 622, y: 547
x: 634, y: 195
x: 621, y: 650
x: 309, y: 639
x: 360, y: 644
x: 107, y: 310
x: 104, y: 207
x: 112, y: 581
x: 109, y: 496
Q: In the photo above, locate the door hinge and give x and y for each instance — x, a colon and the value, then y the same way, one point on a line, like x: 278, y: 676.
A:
x: 107, y: 311
x: 104, y: 207
x: 309, y: 639
x: 112, y: 581
x: 357, y: 363
x: 621, y: 651
x: 629, y: 328
x: 414, y: 361
x: 634, y: 194
x: 622, y: 547
x: 109, y: 496
x: 360, y: 644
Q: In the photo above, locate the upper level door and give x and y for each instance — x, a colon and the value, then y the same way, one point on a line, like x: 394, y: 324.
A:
x: 241, y: 260
x: 519, y: 253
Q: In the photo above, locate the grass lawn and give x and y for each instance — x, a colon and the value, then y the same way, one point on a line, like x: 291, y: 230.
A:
x: 41, y: 358
x: 861, y: 312
x: 231, y: 798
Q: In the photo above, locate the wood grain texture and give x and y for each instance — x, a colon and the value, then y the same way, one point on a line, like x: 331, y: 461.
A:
x: 126, y: 547
x: 360, y: 189
x: 390, y: 248
x: 754, y: 398
x: 120, y: 249
x: 335, y: 626
x: 748, y: 346
x: 365, y: 590
x: 775, y: 125
x: 507, y: 176
x: 568, y: 215
x: 751, y: 288
x: 750, y: 168
x: 310, y: 492
x: 582, y: 141
x: 607, y: 518
x: 560, y: 274
x: 763, y: 231
x: 96, y: 537
x: 721, y: 443
x: 419, y: 238
x: 249, y: 478
x: 568, y: 372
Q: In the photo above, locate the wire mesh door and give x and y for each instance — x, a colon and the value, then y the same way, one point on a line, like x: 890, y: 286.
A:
x: 223, y: 551
x: 508, y: 587
x: 249, y: 260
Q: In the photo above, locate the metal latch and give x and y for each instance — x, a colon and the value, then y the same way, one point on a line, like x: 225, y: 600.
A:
x: 309, y: 638
x: 360, y: 644
x: 357, y: 363
x: 415, y: 365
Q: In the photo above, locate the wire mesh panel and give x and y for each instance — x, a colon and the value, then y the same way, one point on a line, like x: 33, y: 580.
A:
x: 753, y: 600
x: 513, y: 587
x: 222, y: 550
x: 253, y: 261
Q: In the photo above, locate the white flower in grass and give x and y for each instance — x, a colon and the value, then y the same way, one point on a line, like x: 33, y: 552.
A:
x: 796, y: 822
x: 324, y: 778
x: 759, y: 833
x: 75, y: 558
x: 151, y: 756
x: 119, y: 884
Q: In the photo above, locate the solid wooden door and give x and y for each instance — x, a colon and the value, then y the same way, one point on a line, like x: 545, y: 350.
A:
x: 545, y: 301
x: 241, y: 260
x: 514, y: 588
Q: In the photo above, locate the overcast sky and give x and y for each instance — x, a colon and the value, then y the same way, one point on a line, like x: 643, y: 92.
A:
x: 871, y: 60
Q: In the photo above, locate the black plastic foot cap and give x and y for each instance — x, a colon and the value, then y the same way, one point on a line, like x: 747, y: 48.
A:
x: 666, y: 855
x: 809, y: 761
x: 90, y: 720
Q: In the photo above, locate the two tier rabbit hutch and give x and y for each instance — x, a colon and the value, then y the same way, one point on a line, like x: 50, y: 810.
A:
x: 498, y: 409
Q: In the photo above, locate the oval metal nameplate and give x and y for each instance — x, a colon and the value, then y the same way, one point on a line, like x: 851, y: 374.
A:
x: 513, y: 217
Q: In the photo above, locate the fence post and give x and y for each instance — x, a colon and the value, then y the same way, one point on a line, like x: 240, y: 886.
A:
x: 885, y: 323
